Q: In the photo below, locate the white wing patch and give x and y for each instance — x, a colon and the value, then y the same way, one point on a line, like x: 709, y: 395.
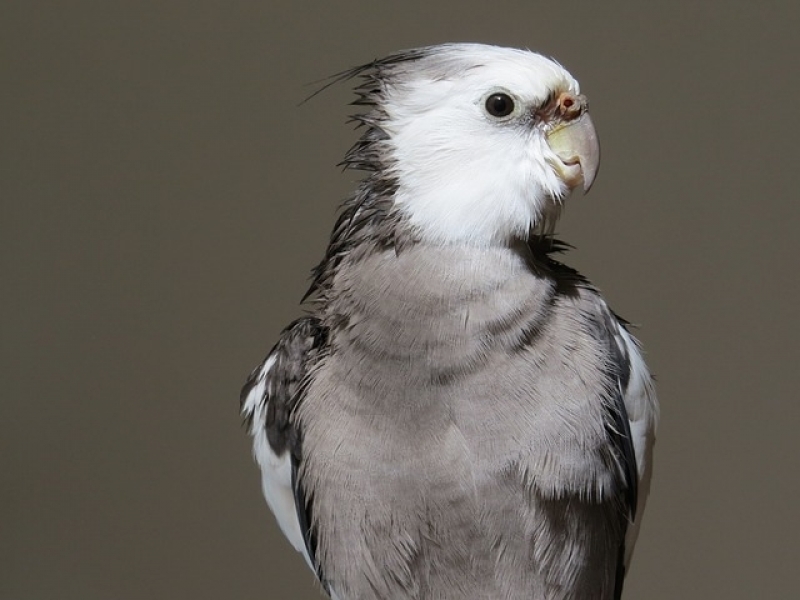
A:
x: 276, y: 471
x: 642, y: 409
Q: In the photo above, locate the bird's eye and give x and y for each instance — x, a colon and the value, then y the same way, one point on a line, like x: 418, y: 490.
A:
x: 499, y: 105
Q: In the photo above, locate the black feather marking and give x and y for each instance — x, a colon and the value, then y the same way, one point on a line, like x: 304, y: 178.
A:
x: 368, y: 219
x: 618, y: 425
x: 304, y: 505
x: 369, y: 222
x: 300, y: 346
x: 568, y: 281
x: 619, y: 578
x: 371, y: 71
x: 620, y: 434
x: 618, y: 430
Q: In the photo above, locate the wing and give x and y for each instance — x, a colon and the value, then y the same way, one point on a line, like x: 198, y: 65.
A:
x: 631, y: 425
x: 641, y: 407
x: 268, y: 402
x: 632, y: 408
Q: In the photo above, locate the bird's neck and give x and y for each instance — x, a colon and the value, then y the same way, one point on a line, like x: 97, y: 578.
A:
x: 432, y: 308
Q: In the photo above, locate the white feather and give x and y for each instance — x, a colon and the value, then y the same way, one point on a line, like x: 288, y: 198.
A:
x: 276, y: 470
x: 465, y: 176
x: 642, y: 408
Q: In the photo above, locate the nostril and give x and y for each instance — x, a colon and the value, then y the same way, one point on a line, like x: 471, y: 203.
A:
x: 570, y: 106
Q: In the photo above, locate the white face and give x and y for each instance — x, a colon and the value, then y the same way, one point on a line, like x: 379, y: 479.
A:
x: 465, y: 174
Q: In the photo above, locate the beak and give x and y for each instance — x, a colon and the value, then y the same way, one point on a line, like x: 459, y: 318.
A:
x: 576, y: 145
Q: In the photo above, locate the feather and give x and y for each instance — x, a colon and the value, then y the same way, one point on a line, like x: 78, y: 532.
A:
x: 461, y: 415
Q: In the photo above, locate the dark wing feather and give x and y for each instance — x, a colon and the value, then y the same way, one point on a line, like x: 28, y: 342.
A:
x: 618, y: 428
x: 269, y: 400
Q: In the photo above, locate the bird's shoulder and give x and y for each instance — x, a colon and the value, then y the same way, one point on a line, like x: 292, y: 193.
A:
x: 274, y: 387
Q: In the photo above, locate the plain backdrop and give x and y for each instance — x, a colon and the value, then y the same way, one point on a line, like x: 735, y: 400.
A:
x: 164, y: 198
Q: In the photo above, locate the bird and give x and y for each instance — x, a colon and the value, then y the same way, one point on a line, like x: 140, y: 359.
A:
x: 459, y: 415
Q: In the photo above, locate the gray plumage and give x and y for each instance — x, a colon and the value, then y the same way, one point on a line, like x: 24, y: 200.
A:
x: 453, y: 420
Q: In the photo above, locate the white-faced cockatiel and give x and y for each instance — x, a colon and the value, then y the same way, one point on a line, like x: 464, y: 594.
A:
x: 460, y: 416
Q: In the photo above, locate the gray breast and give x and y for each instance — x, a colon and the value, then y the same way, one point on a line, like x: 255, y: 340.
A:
x: 460, y: 411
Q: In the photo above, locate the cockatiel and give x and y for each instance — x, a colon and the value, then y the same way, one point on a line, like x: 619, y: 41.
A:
x: 460, y: 416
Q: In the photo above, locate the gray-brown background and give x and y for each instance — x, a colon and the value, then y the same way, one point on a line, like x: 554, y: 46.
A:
x: 163, y: 199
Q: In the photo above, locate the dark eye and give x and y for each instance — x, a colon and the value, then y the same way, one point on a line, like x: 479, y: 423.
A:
x: 499, y: 105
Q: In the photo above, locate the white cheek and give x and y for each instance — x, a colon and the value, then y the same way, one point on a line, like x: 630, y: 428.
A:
x: 481, y: 187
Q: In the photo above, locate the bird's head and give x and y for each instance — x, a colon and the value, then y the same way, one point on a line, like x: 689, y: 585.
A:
x: 481, y: 143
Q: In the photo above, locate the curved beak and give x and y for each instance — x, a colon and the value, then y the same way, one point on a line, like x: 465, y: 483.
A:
x: 576, y: 145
